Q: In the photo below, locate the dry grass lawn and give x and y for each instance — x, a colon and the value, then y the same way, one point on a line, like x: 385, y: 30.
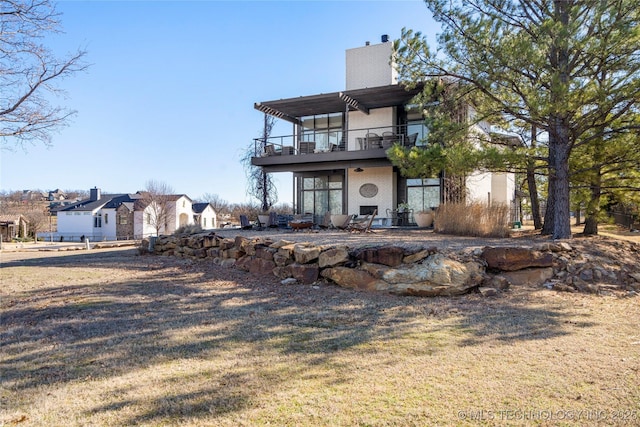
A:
x: 110, y: 338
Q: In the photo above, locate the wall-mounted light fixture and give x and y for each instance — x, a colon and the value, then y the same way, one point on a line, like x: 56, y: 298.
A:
x: 358, y: 170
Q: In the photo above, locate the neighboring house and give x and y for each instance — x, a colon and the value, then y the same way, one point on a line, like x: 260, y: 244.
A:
x: 56, y: 195
x: 12, y: 226
x: 148, y: 221
x: 337, y: 150
x: 93, y: 218
x: 32, y: 196
x: 121, y: 217
x: 205, y: 215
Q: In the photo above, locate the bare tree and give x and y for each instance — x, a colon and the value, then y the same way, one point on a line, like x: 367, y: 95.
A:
x: 155, y: 200
x: 260, y: 184
x: 37, y: 216
x: 219, y: 204
x: 29, y: 73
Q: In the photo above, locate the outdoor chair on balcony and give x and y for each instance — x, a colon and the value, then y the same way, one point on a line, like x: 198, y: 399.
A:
x: 411, y: 139
x: 388, y: 139
x: 373, y: 140
x: 270, y: 150
x: 307, y: 147
x: 362, y: 225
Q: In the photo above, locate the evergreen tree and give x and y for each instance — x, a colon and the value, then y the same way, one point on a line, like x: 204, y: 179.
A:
x: 536, y: 62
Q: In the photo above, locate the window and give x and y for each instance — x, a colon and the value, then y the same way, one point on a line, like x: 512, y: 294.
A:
x: 204, y: 222
x: 123, y: 220
x: 423, y: 194
x: 106, y: 218
x: 97, y: 221
x: 324, y: 129
x: 319, y: 194
x: 149, y: 218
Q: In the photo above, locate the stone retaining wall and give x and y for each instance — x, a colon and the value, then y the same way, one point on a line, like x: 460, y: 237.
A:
x: 421, y: 271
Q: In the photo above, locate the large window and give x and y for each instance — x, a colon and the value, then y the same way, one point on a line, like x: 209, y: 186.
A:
x: 319, y: 194
x: 324, y: 129
x: 423, y: 194
x: 415, y: 124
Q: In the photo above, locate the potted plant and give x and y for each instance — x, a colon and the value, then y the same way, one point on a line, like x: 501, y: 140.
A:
x: 403, y: 207
x: 424, y: 218
x: 263, y: 219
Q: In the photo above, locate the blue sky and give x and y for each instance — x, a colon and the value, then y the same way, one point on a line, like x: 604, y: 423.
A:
x: 169, y: 95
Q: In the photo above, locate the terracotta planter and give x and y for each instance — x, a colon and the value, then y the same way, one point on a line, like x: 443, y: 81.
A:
x: 424, y: 219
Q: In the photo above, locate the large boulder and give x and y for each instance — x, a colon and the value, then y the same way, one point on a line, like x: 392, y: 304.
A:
x: 305, y: 253
x: 528, y: 276
x: 513, y: 259
x: 305, y: 273
x: 437, y: 275
x: 332, y: 257
x: 353, y: 278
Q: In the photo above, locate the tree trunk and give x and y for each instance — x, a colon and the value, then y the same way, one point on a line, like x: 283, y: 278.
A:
x: 547, y: 227
x: 532, y: 185
x: 562, y: 207
x: 533, y: 195
x: 593, y: 207
x: 559, y: 136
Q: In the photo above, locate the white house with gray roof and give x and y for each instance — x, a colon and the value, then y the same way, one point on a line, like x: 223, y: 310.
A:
x: 127, y: 216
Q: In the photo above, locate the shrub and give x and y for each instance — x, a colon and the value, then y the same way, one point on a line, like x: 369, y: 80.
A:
x: 473, y: 219
x: 188, y: 229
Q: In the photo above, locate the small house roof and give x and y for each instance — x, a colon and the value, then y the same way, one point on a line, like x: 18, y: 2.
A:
x: 200, y: 207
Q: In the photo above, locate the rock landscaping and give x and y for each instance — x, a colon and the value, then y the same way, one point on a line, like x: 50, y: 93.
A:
x: 596, y: 265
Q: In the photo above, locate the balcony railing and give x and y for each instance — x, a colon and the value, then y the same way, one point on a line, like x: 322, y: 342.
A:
x: 310, y: 142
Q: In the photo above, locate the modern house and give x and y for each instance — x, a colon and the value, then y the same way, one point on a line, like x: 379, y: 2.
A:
x: 128, y: 216
x: 337, y: 148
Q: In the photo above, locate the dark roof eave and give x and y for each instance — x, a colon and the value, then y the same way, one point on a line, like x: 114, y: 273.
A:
x: 292, y: 109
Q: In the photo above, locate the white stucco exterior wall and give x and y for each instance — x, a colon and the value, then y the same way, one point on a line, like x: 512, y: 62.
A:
x: 369, y: 66
x: 488, y: 187
x: 503, y: 187
x: 383, y: 178
x: 208, y: 218
x: 109, y: 221
x: 479, y: 187
x: 75, y: 224
x: 377, y: 121
x: 181, y: 213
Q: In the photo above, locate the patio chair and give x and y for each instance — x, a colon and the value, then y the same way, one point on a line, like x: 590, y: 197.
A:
x: 244, y: 223
x: 326, y: 221
x: 388, y: 139
x: 270, y: 150
x: 373, y: 140
x: 411, y: 139
x: 363, y: 225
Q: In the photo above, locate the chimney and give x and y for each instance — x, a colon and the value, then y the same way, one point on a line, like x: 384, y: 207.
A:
x: 366, y: 43
x: 94, y: 194
x: 384, y: 38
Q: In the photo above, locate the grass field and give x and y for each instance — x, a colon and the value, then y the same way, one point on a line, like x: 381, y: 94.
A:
x: 110, y: 338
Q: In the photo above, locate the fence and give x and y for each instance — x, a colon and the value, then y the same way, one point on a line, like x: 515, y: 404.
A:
x: 626, y: 220
x: 66, y: 237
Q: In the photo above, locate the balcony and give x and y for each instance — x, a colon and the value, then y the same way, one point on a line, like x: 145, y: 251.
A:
x: 329, y: 149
